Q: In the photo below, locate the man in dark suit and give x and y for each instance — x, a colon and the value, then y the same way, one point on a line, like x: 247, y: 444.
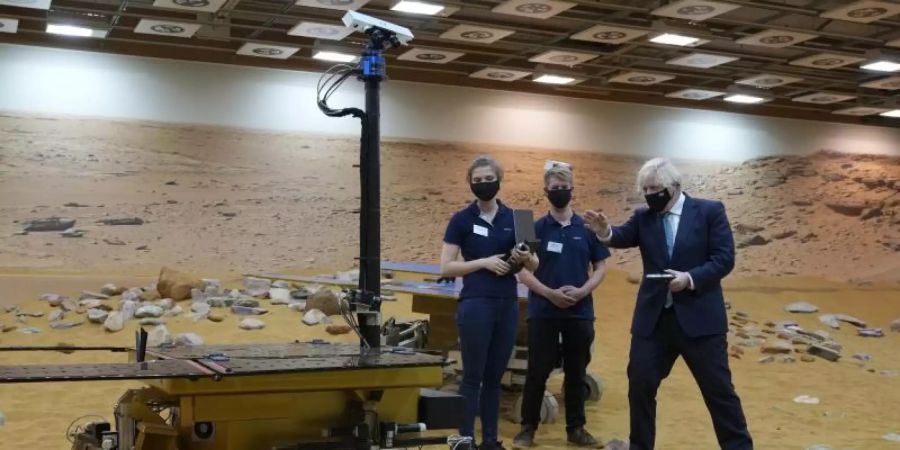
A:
x: 689, y: 240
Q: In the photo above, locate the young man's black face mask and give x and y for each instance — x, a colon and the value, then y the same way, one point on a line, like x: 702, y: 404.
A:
x: 559, y: 198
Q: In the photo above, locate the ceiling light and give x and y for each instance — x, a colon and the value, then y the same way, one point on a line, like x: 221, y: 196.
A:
x: 414, y: 7
x: 892, y: 113
x: 325, y: 55
x: 674, y: 39
x: 695, y: 94
x: 859, y: 111
x: 882, y: 66
x: 554, y: 79
x: 743, y: 98
x: 72, y: 30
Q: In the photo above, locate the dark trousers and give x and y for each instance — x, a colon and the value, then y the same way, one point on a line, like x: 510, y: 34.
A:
x: 651, y: 361
x: 487, y: 332
x: 544, y: 352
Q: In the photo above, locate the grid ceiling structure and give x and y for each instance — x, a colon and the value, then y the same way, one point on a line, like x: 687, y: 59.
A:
x: 799, y: 58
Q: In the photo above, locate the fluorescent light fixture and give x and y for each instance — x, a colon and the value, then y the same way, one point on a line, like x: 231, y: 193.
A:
x: 554, y: 79
x: 73, y: 30
x: 674, y: 39
x: 325, y: 55
x: 743, y: 98
x: 891, y: 113
x: 882, y: 66
x: 414, y: 7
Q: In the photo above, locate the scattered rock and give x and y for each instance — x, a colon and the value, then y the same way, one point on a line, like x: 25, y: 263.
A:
x: 821, y: 335
x: 301, y: 294
x: 114, y: 322
x: 870, y: 213
x: 251, y: 324
x: 188, y: 339
x: 248, y: 311
x: 176, y: 310
x: 847, y: 208
x: 110, y: 289
x: 150, y: 296
x: 65, y: 325
x: 281, y: 284
x: 257, y: 287
x: 49, y: 224
x: 148, y: 311
x: 314, y: 317
x: 113, y: 241
x: 297, y: 306
x: 97, y: 315
x: 801, y: 307
x: 280, y: 296
x: 787, y: 359
x: 177, y: 285
x: 836, y: 346
x: 215, y: 316
x: 785, y: 234
x: 617, y: 444
x: 893, y: 437
x: 57, y: 314
x: 30, y: 314
x: 823, y: 352
x: 75, y: 205
x: 219, y: 302
x: 851, y: 320
x: 159, y: 336
x: 91, y: 303
x: 778, y: 347
x: 326, y: 301
x: 31, y: 330
x: 2, y: 419
x: 246, y: 302
x: 870, y: 332
x: 122, y: 221
x: 53, y: 299
x: 830, y: 320
x: 754, y: 240
x: 132, y: 294
x: 802, y: 202
x: 338, y: 329
x: 807, y: 358
x: 746, y: 228
x: 806, y: 400
x: 72, y: 233
x: 766, y: 359
x: 165, y: 303
x: 151, y: 321
x: 128, y: 309
x: 895, y: 326
x: 864, y: 357
x: 200, y: 308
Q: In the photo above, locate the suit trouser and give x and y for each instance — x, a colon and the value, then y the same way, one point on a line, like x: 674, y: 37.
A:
x: 651, y: 361
x: 487, y: 333
x: 544, y: 352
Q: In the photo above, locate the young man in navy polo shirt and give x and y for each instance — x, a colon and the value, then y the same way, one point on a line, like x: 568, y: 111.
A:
x: 561, y: 310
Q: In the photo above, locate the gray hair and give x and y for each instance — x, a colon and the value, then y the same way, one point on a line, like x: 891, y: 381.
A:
x: 485, y: 161
x: 559, y: 172
x: 663, y: 170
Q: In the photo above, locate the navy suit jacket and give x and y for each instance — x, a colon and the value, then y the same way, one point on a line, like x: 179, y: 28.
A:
x: 704, y: 247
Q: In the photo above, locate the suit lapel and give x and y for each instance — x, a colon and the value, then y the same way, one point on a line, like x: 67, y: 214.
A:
x: 685, y: 224
x: 659, y: 236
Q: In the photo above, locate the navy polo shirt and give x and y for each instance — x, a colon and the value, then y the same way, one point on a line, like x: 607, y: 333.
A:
x: 478, y: 239
x: 566, y: 255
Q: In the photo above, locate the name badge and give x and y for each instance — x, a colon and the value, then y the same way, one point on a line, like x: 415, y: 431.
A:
x: 555, y: 247
x: 480, y: 230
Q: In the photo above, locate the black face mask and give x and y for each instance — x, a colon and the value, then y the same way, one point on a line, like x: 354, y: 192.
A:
x: 559, y: 198
x: 657, y: 201
x: 485, y: 191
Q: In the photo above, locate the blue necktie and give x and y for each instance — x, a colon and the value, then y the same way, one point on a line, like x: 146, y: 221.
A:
x: 670, y: 244
x: 670, y: 235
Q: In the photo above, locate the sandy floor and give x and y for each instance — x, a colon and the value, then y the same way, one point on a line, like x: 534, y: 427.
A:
x: 858, y: 403
x: 292, y: 199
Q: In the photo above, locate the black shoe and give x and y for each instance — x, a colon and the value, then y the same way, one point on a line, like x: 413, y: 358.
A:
x: 525, y: 438
x: 579, y: 437
x: 491, y: 446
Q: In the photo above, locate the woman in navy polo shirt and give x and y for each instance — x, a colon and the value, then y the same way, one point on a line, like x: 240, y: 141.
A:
x: 560, y: 306
x: 488, y: 309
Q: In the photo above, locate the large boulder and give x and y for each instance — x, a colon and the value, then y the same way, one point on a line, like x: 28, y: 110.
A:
x: 324, y: 300
x: 177, y: 285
